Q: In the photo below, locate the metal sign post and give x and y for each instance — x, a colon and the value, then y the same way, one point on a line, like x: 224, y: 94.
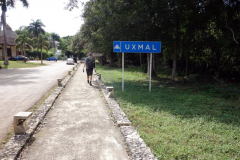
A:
x: 136, y: 47
x: 122, y: 71
x: 150, y: 76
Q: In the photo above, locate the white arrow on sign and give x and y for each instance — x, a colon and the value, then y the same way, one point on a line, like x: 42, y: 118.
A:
x: 117, y: 47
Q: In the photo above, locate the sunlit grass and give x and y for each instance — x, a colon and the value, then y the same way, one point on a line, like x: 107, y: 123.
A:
x: 177, y: 122
x: 20, y: 64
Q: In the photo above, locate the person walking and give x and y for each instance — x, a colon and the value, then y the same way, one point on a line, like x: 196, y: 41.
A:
x: 90, y: 64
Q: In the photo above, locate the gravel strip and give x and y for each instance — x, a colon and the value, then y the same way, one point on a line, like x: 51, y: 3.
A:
x: 119, y: 116
x: 136, y: 145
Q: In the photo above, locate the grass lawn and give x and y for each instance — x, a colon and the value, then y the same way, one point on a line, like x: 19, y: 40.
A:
x: 176, y: 121
x: 20, y: 64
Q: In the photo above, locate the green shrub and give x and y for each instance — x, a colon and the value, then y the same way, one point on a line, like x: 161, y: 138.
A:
x: 229, y: 93
x: 226, y: 93
x: 36, y: 54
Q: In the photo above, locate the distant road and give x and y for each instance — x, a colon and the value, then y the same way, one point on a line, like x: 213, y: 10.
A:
x: 20, y: 89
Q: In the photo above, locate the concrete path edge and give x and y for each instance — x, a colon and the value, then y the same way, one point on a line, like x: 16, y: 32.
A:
x: 136, y: 145
x: 16, y: 144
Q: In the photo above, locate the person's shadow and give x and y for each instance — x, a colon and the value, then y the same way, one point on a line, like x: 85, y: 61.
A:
x: 95, y: 85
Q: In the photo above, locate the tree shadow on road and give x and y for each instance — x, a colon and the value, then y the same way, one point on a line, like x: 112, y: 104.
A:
x: 5, y: 67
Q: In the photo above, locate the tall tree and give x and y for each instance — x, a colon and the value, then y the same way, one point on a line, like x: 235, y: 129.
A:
x: 23, y: 30
x: 36, y: 27
x: 54, y: 37
x: 10, y: 4
x: 22, y: 42
x: 41, y: 42
x: 199, y: 34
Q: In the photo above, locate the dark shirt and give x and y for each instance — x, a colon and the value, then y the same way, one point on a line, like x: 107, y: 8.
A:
x: 89, y: 59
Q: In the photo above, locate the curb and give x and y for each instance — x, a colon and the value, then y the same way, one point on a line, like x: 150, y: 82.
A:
x: 136, y: 145
x: 120, y: 117
x: 16, y: 144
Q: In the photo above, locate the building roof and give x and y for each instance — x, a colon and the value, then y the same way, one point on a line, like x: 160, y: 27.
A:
x: 11, y: 36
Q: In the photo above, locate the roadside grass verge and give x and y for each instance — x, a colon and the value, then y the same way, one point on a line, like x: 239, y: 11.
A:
x: 177, y: 122
x: 20, y: 64
x: 33, y: 109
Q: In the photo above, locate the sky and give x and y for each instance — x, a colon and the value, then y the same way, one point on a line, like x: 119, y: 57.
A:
x: 50, y: 12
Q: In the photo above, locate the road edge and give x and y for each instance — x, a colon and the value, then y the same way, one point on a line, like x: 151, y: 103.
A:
x: 16, y: 144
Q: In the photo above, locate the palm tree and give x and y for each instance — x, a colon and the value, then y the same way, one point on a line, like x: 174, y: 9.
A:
x: 22, y: 42
x: 55, y: 37
x: 23, y: 30
x: 36, y: 27
x: 10, y: 4
x: 41, y: 42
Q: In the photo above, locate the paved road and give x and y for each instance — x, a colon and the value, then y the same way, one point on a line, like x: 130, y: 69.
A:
x: 20, y: 89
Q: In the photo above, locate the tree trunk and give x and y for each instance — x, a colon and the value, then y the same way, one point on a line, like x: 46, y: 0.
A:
x: 4, y: 36
x: 141, y: 59
x: 187, y: 59
x: 100, y: 61
x: 175, y: 51
x: 218, y: 55
x: 37, y: 52
x: 154, y: 73
x: 54, y: 45
x: 154, y: 65
x: 174, y: 60
x: 111, y: 59
x: 119, y: 60
x: 103, y: 60
x: 24, y: 49
x: 41, y: 56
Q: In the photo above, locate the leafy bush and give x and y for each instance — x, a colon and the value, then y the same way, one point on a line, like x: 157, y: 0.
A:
x: 35, y: 54
x: 211, y: 89
x: 229, y: 93
x: 225, y: 93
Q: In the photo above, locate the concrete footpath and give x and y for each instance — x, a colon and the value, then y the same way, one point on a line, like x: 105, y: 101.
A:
x: 78, y: 127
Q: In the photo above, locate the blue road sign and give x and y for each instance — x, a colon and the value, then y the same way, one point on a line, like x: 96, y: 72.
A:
x: 136, y: 47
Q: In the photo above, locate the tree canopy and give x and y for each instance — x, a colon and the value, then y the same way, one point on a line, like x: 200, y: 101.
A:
x: 198, y: 36
x: 4, y: 5
x: 36, y: 27
x: 41, y: 42
x: 22, y: 42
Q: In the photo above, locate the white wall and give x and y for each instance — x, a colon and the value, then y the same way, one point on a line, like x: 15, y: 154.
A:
x: 14, y: 53
x: 13, y: 49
